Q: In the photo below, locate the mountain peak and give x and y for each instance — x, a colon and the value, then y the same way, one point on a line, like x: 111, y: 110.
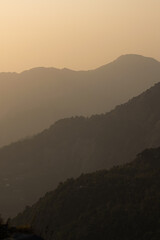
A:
x: 131, y: 61
x: 135, y: 58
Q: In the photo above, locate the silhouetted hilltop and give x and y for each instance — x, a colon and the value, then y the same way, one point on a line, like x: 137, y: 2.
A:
x: 77, y: 145
x: 33, y: 100
x: 122, y: 203
x: 135, y: 59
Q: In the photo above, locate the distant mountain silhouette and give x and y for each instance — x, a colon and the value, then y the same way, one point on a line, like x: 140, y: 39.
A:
x: 32, y: 100
x: 122, y: 203
x: 77, y: 145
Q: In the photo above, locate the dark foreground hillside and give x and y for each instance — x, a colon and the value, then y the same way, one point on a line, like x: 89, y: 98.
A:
x: 123, y: 203
x: 30, y: 168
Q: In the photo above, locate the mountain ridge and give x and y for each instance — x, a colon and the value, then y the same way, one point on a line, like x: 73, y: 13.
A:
x: 125, y: 57
x: 34, y: 99
x: 78, y: 144
x: 121, y: 203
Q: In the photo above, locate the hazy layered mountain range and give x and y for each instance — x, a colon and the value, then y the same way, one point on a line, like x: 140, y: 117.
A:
x: 122, y: 203
x: 33, y: 100
x: 72, y: 146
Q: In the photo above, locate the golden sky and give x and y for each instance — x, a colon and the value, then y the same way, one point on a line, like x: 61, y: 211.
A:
x: 77, y: 34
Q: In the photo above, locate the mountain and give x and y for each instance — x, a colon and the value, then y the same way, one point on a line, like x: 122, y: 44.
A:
x: 122, y: 203
x: 32, y: 100
x: 72, y: 146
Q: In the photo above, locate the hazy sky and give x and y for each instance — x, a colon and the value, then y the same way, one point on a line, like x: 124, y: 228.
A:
x: 77, y: 34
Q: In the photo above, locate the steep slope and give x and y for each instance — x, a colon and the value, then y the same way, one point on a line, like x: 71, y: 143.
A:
x: 122, y: 203
x: 77, y: 145
x: 34, y: 99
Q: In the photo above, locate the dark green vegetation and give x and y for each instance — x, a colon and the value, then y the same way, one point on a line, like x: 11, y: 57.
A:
x: 33, y: 100
x: 122, y: 203
x: 78, y: 145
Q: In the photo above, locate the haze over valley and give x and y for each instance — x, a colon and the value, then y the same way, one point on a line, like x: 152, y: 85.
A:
x: 77, y: 145
x: 79, y: 120
x: 33, y: 100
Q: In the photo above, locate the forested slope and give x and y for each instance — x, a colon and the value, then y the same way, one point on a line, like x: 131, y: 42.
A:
x: 122, y: 203
x: 72, y: 146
